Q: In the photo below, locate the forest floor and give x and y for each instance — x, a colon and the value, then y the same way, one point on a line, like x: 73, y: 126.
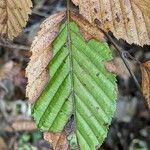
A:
x: 130, y: 129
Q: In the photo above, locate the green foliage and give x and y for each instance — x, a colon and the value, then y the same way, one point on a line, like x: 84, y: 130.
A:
x: 24, y: 140
x: 80, y: 86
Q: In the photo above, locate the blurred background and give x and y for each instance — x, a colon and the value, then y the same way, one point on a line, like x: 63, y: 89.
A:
x: 130, y: 129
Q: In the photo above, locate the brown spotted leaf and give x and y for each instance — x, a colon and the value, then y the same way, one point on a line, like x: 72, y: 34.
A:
x: 145, y: 70
x: 127, y: 19
x: 14, y: 16
x: 57, y: 140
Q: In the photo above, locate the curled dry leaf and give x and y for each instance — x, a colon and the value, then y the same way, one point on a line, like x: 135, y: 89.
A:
x: 145, y: 70
x: 127, y: 19
x: 14, y: 16
x: 57, y: 140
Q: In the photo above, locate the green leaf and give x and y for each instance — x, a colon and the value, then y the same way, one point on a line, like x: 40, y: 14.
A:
x: 80, y: 86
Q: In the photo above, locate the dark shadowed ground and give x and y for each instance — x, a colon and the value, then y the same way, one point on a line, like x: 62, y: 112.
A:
x: 130, y: 129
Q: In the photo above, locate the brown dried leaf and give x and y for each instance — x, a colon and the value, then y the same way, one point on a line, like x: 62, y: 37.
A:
x: 76, y: 2
x: 24, y: 125
x: 110, y: 66
x: 88, y: 30
x: 6, y: 69
x: 12, y: 71
x: 42, y: 50
x: 143, y: 5
x: 57, y: 140
x: 14, y: 16
x: 145, y: 70
x: 121, y: 69
x: 41, y: 54
x: 127, y: 19
x: 3, y: 145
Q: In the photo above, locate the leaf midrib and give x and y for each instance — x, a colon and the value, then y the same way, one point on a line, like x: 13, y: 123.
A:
x: 69, y: 46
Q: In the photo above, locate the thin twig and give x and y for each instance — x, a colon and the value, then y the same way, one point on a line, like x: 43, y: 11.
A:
x: 123, y: 54
x: 40, y: 13
x: 13, y: 45
x: 39, y: 4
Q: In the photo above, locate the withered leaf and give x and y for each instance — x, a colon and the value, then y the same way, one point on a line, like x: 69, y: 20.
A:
x: 127, y: 19
x: 24, y: 125
x: 12, y: 71
x: 14, y: 16
x: 41, y: 54
x: 145, y: 70
x: 143, y: 5
x: 6, y: 69
x: 57, y: 140
x: 3, y: 145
